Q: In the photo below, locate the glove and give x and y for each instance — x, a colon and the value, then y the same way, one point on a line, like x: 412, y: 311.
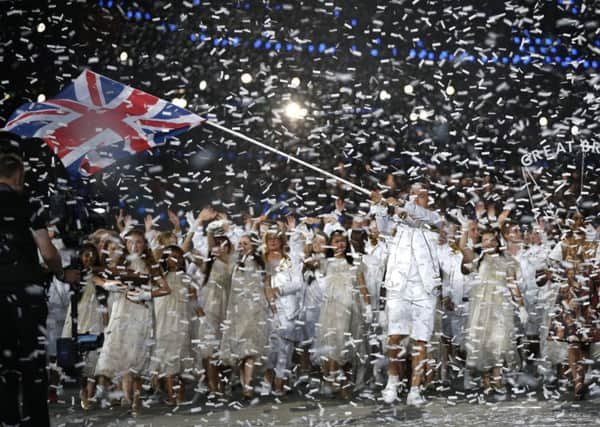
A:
x: 523, y: 315
x: 369, y: 314
x: 114, y: 286
x: 139, y: 296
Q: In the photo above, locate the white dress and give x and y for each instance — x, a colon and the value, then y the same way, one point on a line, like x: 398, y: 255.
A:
x: 490, y: 340
x: 245, y: 328
x: 173, y: 327
x: 340, y: 321
x: 128, y: 340
x: 214, y: 303
x: 89, y: 321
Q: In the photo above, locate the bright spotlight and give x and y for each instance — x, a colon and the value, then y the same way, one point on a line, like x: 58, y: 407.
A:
x: 450, y: 90
x: 409, y: 90
x: 123, y: 56
x: 295, y: 82
x: 41, y: 97
x: 180, y: 102
x: 203, y: 85
x: 574, y: 130
x: 413, y: 117
x: 41, y: 27
x: 295, y: 111
x: 246, y: 78
x: 543, y: 121
x: 384, y: 95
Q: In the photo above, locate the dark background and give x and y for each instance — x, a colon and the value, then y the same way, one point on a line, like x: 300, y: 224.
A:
x: 546, y: 53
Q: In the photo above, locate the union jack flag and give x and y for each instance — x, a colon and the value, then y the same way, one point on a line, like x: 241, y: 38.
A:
x: 96, y: 121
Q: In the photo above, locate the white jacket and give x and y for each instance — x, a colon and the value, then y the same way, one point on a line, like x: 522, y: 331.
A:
x: 414, y: 243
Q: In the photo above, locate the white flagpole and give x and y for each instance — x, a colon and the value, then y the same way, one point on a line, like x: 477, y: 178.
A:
x: 288, y: 156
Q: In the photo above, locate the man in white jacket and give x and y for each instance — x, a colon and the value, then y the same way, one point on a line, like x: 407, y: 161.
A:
x: 412, y: 285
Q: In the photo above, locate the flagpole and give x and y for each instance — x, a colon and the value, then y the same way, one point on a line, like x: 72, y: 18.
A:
x: 288, y: 156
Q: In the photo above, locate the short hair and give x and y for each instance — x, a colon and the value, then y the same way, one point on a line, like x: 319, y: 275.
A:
x: 10, y: 164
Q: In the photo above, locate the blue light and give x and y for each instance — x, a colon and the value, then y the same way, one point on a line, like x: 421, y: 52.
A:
x: 574, y: 51
x: 109, y: 3
x: 129, y: 14
x: 203, y: 37
x: 443, y: 55
x: 516, y: 59
x: 517, y: 40
x: 543, y: 50
x: 526, y: 60
x: 451, y: 57
x: 547, y: 59
x: 310, y: 48
x: 336, y: 13
x: 333, y: 50
x: 353, y: 48
x: 193, y: 37
x: 422, y: 54
x: 505, y: 60
x: 268, y: 44
x: 377, y: 40
x: 531, y: 49
x: 138, y: 15
x: 216, y: 41
x: 196, y: 3
x: 224, y: 42
x: 431, y: 56
x: 322, y: 47
x: 277, y: 46
x: 412, y: 53
x: 374, y: 52
x: 247, y: 6
x: 277, y: 7
x: 574, y: 11
x: 594, y: 64
x: 548, y: 41
x: 101, y: 3
x: 483, y: 59
x: 235, y: 41
x: 147, y: 16
x: 354, y: 22
x: 552, y: 49
x: 172, y: 27
x: 257, y: 44
x: 289, y: 47
x: 394, y: 51
x: 419, y: 43
x: 557, y: 59
x: 538, y: 40
x: 586, y: 64
x: 141, y: 210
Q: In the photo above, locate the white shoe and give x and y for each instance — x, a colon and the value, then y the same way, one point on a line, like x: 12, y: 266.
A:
x: 264, y: 389
x: 415, y: 398
x: 390, y: 393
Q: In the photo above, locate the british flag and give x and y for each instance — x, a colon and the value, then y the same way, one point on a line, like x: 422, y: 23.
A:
x: 97, y: 121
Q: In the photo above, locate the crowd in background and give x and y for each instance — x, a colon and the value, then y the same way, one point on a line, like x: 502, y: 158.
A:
x: 401, y: 293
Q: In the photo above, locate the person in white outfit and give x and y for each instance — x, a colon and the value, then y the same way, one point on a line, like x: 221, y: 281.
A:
x: 412, y: 286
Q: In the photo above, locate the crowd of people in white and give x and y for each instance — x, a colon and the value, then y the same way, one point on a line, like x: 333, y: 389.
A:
x: 403, y: 299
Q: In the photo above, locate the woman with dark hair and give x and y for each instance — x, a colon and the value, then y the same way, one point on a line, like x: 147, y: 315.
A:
x: 215, y: 292
x: 245, y: 338
x: 90, y: 319
x: 490, y: 339
x: 340, y: 322
x: 574, y: 317
x: 126, y: 350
